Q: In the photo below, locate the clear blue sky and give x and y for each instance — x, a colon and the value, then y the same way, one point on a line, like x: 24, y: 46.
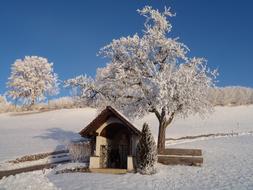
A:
x: 70, y: 33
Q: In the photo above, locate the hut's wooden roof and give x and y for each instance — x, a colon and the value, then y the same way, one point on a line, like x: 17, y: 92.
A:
x: 109, y: 111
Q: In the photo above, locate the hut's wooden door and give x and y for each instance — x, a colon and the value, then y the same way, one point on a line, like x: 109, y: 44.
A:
x: 123, y: 152
x: 113, y: 157
x: 114, y: 154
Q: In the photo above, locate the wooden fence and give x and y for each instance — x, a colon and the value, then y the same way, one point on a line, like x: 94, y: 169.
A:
x: 174, y: 156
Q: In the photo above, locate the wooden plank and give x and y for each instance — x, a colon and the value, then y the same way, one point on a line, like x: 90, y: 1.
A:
x: 108, y: 170
x: 6, y: 173
x: 182, y: 151
x: 37, y: 156
x: 180, y: 160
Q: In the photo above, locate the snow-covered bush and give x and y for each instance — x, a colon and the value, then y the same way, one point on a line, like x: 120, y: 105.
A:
x: 31, y: 80
x: 231, y: 95
x: 79, y: 151
x: 60, y: 103
x: 3, y: 103
x: 146, y: 152
x: 5, y: 106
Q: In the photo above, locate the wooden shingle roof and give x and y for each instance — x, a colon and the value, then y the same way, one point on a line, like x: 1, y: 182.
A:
x: 109, y: 111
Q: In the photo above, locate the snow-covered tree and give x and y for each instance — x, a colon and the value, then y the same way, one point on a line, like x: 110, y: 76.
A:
x: 146, y: 152
x: 32, y: 79
x: 152, y: 73
x: 80, y: 87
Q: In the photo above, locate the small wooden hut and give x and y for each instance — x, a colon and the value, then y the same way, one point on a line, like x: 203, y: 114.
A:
x: 113, y: 140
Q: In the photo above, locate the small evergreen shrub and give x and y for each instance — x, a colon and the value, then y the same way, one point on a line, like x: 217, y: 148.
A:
x: 146, y: 152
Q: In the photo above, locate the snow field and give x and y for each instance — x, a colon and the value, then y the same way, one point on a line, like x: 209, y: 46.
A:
x: 227, y: 160
x: 227, y: 165
x: 30, y: 133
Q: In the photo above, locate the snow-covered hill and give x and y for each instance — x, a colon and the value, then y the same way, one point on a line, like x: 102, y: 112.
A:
x: 227, y: 161
x: 29, y: 133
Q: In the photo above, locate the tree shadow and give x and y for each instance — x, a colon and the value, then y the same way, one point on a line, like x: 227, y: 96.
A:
x: 63, y: 137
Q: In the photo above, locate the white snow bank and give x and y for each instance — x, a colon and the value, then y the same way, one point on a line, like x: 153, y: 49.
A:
x: 71, y: 165
x: 227, y: 165
x: 28, y: 181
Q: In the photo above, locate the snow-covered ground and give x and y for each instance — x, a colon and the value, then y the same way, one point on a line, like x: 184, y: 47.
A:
x: 227, y: 160
x: 29, y: 133
x: 227, y: 165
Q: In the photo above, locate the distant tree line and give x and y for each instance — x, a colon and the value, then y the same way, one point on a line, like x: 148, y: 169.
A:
x: 220, y: 96
x: 232, y: 95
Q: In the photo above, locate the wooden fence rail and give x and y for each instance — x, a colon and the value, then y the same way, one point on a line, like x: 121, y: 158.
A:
x: 6, y: 173
x: 174, y: 156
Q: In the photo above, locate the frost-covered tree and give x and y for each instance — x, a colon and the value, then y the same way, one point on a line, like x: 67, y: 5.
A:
x: 152, y: 73
x: 80, y: 87
x: 32, y: 79
x: 146, y: 152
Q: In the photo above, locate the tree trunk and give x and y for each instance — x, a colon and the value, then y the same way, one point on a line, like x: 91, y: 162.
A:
x: 163, y: 123
x: 31, y: 104
x: 161, y: 138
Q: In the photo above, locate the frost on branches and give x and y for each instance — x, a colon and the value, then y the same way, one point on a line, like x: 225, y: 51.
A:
x: 146, y: 152
x: 152, y: 73
x: 81, y: 87
x: 79, y: 151
x: 32, y: 79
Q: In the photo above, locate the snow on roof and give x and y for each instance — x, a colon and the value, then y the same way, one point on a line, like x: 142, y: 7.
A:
x: 102, y: 117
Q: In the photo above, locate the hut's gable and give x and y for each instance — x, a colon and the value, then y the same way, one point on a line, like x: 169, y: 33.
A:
x: 107, y: 116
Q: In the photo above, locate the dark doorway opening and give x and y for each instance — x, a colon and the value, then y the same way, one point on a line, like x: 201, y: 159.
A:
x: 114, y: 154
